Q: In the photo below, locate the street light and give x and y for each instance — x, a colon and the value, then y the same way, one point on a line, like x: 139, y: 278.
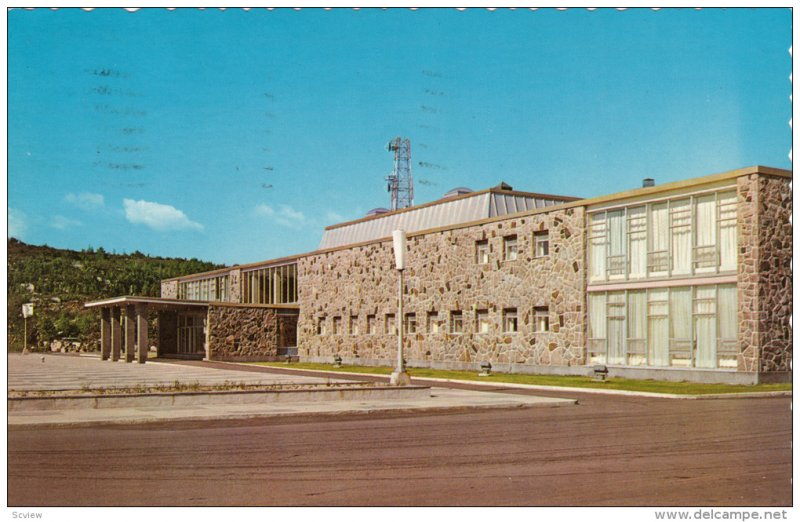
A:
x: 399, y: 376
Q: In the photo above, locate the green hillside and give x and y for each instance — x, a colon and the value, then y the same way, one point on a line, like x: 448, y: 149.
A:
x: 58, y: 282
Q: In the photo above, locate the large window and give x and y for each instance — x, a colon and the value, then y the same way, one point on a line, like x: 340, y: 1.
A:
x: 691, y: 327
x: 210, y: 289
x: 272, y: 285
x: 678, y: 237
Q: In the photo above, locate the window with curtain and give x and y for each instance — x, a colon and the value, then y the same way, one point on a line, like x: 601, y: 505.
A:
x: 680, y: 338
x: 658, y: 240
x: 597, y: 247
x: 616, y: 264
x: 726, y: 202
x: 637, y: 240
x: 597, y: 328
x: 680, y: 224
x: 728, y: 335
x: 658, y: 327
x: 637, y: 328
x: 705, y: 326
x: 615, y: 344
x: 705, y: 231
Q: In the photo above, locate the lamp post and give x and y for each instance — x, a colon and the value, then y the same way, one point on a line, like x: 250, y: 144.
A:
x: 399, y: 376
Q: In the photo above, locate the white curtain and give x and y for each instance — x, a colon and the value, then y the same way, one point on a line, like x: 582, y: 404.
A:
x: 705, y: 227
x: 705, y: 326
x: 727, y: 230
x: 637, y: 327
x: 658, y: 327
x: 597, y: 247
x: 616, y: 244
x: 637, y: 229
x: 616, y: 328
x: 597, y: 326
x: 728, y: 323
x: 680, y: 311
x: 659, y: 233
x: 680, y: 220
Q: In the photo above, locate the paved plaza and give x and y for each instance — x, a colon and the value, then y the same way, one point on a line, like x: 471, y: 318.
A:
x: 71, y: 372
x: 66, y: 372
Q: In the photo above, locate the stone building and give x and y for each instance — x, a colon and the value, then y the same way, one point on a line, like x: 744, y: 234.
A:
x: 683, y: 281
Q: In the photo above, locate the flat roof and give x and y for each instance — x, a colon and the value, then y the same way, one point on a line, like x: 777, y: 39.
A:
x: 128, y: 300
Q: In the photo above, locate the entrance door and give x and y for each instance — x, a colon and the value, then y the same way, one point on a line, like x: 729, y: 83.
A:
x: 191, y: 334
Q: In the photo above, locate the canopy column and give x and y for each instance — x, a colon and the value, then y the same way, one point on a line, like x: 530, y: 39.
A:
x: 142, y: 342
x: 105, y: 333
x: 130, y: 333
x: 116, y: 333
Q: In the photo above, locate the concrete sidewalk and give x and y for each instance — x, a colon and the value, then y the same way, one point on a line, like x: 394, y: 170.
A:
x: 64, y: 372
x: 441, y: 400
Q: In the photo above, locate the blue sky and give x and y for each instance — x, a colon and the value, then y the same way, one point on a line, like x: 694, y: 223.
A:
x: 237, y: 136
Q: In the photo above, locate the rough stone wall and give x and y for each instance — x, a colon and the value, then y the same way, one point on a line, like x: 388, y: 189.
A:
x: 775, y: 273
x: 764, y: 285
x: 442, y: 276
x: 242, y: 333
x: 169, y: 289
x: 167, y: 332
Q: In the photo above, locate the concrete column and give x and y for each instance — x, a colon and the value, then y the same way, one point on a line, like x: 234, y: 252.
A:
x: 142, y: 341
x: 130, y: 332
x: 116, y: 333
x: 105, y: 333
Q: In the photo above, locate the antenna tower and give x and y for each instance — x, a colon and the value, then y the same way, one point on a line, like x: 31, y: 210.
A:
x: 401, y: 183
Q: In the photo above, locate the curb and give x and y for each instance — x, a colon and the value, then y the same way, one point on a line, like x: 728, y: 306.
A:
x: 283, y: 415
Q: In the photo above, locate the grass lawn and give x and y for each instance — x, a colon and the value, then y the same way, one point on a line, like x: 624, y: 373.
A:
x: 686, y: 388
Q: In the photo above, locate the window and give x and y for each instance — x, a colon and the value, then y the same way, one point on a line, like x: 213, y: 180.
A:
x: 541, y: 244
x: 371, y: 324
x: 482, y: 252
x: 482, y: 321
x: 411, y: 323
x: 456, y: 322
x: 510, y: 324
x: 510, y: 248
x: 272, y: 285
x: 389, y: 325
x: 433, y: 324
x: 321, y: 326
x: 353, y: 327
x: 337, y: 325
x: 541, y: 319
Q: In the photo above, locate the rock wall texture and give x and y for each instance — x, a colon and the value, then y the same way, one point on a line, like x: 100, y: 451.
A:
x: 242, y: 333
x: 169, y: 289
x: 443, y: 276
x: 764, y: 284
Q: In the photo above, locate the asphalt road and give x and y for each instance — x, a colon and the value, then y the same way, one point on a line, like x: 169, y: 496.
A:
x: 605, y: 451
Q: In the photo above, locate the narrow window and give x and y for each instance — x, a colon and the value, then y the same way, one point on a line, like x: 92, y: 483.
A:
x: 321, y: 326
x: 371, y: 324
x: 541, y: 244
x: 433, y: 322
x: 389, y: 325
x: 353, y: 325
x: 510, y: 243
x: 510, y: 323
x: 411, y: 323
x: 482, y: 321
x: 337, y: 325
x: 541, y: 319
x: 456, y: 322
x: 482, y: 252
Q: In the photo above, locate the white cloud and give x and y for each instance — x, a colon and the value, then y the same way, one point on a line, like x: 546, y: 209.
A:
x: 158, y: 216
x: 86, y: 200
x: 62, y: 223
x: 285, y: 215
x: 17, y: 223
x: 333, y: 217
